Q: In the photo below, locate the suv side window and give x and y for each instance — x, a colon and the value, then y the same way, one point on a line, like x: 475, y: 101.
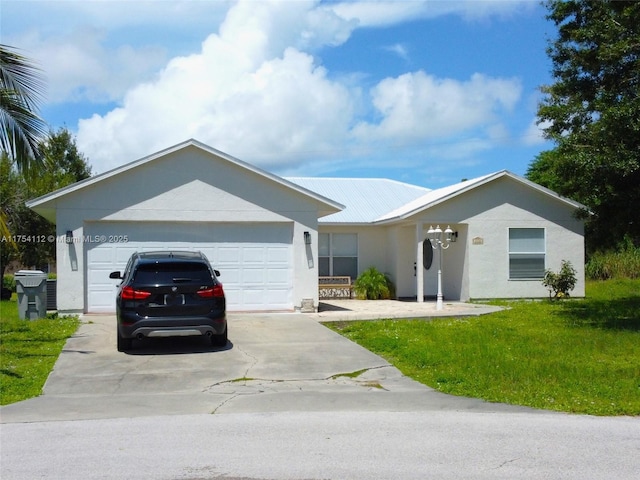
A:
x: 127, y: 269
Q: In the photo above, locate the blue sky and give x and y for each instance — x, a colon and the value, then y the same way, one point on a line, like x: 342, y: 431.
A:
x: 426, y: 92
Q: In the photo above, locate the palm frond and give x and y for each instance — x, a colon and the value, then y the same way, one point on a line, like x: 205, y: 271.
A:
x: 21, y: 91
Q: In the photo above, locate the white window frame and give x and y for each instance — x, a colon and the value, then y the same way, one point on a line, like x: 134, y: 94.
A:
x: 332, y: 255
x: 527, y: 254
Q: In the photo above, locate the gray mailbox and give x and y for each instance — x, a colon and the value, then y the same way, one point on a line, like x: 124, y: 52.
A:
x: 31, y: 287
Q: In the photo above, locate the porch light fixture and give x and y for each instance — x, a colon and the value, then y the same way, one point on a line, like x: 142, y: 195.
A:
x: 69, y: 236
x: 307, y: 238
x: 437, y: 242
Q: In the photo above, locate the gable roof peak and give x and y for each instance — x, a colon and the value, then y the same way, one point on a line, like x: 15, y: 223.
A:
x: 329, y: 206
x: 443, y: 194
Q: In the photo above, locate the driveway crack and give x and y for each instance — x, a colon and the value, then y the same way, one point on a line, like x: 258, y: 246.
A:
x: 253, y: 386
x: 254, y: 361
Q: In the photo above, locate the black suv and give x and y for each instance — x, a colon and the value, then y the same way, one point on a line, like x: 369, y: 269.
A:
x: 170, y: 294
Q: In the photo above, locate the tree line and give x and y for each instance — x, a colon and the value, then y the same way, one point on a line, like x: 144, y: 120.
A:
x: 591, y: 112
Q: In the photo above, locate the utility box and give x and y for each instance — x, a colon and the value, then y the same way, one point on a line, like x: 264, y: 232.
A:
x: 31, y: 287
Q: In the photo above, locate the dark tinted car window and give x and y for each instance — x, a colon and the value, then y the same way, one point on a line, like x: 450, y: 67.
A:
x: 167, y: 273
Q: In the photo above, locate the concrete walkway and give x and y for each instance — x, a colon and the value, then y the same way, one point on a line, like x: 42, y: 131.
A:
x: 352, y: 309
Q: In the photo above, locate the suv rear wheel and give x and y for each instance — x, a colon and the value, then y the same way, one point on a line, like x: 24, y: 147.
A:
x: 220, y: 340
x: 124, y: 344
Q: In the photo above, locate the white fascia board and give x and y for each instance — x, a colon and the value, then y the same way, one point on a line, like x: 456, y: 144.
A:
x: 436, y: 197
x: 329, y: 205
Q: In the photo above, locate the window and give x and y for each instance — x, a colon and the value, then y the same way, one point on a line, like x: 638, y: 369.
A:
x: 338, y: 254
x: 526, y: 253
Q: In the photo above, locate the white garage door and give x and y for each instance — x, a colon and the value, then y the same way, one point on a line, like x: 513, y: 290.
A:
x: 255, y: 261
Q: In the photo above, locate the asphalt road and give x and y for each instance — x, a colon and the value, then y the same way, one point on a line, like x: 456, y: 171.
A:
x: 326, y: 445
x: 275, y: 404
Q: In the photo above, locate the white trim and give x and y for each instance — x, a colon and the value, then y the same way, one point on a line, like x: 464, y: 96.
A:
x: 444, y: 194
x: 333, y: 206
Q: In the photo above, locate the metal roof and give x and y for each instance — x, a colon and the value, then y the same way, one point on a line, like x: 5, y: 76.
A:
x: 439, y: 195
x: 365, y: 199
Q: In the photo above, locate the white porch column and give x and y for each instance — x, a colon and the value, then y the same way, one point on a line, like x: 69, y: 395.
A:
x: 419, y: 262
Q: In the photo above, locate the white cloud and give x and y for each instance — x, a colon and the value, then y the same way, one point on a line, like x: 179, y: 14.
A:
x: 96, y: 50
x: 417, y: 106
x: 377, y: 13
x: 400, y: 50
x: 254, y: 89
x: 245, y: 88
x: 534, y: 134
x: 78, y: 66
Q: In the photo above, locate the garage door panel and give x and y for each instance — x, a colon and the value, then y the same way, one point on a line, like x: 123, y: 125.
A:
x: 229, y: 276
x: 103, y: 256
x: 234, y: 298
x: 226, y: 255
x: 278, y: 276
x: 123, y: 254
x: 278, y: 255
x: 253, y: 255
x: 254, y: 260
x: 252, y: 276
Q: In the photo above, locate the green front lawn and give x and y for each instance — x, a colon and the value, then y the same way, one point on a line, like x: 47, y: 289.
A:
x: 574, y: 355
x: 28, y: 351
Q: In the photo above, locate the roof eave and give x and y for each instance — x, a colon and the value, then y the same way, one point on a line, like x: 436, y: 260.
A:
x: 330, y: 205
x: 481, y: 181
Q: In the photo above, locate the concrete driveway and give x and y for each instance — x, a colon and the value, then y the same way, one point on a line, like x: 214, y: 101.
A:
x: 285, y: 411
x: 272, y: 363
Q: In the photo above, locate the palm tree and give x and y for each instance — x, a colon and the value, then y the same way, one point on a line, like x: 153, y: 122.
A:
x: 21, y: 129
x: 21, y: 90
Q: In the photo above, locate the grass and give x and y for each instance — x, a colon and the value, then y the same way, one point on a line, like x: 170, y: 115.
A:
x: 576, y: 355
x: 28, y: 351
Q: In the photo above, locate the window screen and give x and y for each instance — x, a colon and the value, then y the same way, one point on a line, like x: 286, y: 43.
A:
x: 338, y: 254
x: 526, y: 253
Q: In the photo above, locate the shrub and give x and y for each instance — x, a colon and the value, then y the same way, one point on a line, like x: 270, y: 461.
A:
x: 562, y: 282
x: 624, y: 262
x: 9, y: 282
x: 373, y: 285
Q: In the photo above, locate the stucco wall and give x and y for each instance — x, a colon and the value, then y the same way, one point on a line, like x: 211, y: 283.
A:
x: 373, y: 248
x: 476, y: 265
x: 489, y: 211
x: 454, y: 282
x: 187, y: 185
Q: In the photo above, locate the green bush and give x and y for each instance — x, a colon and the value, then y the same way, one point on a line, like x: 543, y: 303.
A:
x: 561, y: 283
x: 373, y: 285
x: 624, y: 262
x: 9, y: 282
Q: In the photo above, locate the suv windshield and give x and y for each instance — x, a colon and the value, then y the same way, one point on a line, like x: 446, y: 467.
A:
x: 174, y: 272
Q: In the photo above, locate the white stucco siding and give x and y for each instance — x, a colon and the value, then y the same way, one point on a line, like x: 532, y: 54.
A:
x: 489, y: 257
x: 392, y: 251
x: 477, y: 264
x: 490, y: 211
x: 185, y: 186
x: 373, y: 249
x: 454, y: 283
